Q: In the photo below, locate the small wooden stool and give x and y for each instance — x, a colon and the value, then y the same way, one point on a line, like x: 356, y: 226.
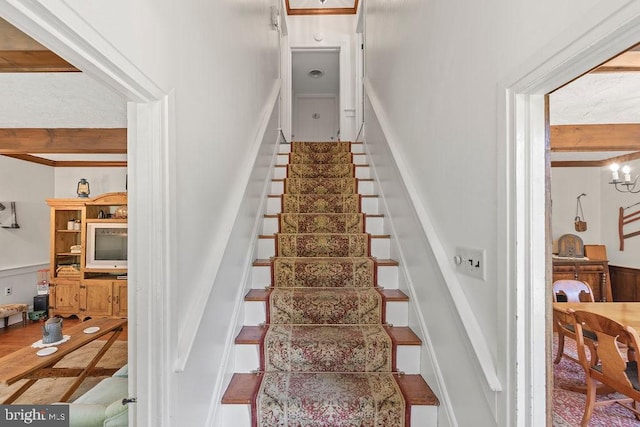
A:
x: 7, y: 310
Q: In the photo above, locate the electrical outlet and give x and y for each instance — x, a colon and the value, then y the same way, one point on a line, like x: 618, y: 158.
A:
x: 470, y: 262
x: 8, y: 291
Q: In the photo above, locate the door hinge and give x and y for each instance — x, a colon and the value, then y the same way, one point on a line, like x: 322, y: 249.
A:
x: 129, y: 400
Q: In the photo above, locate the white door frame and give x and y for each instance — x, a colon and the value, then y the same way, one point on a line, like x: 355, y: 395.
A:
x: 151, y: 186
x: 341, y: 44
x: 523, y: 249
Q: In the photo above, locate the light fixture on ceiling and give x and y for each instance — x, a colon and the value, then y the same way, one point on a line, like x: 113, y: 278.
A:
x: 626, y: 184
x: 323, y: 1
x: 315, y: 73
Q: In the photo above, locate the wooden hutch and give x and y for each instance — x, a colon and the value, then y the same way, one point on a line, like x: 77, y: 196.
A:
x: 75, y: 289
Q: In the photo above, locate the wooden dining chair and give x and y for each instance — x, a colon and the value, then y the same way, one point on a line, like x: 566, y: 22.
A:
x: 614, y: 369
x: 571, y: 291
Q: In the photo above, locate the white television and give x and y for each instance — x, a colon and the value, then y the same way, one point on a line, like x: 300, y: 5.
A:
x: 106, y: 246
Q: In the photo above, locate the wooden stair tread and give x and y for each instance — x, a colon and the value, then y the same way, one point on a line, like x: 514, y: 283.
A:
x: 250, y: 335
x: 416, y: 390
x: 257, y: 295
x: 401, y: 335
x: 394, y: 295
x: 241, y: 389
x: 243, y: 386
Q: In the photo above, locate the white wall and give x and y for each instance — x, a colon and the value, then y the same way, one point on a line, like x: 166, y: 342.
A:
x: 566, y: 185
x: 612, y: 201
x: 101, y: 180
x: 436, y: 68
x: 24, y: 250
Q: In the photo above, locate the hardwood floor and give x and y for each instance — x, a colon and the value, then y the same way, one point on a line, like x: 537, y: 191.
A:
x: 17, y: 336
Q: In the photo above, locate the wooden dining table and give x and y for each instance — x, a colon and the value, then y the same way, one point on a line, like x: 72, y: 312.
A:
x: 26, y: 364
x: 627, y: 313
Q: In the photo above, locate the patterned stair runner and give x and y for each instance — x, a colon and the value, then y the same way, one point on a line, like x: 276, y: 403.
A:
x: 326, y: 356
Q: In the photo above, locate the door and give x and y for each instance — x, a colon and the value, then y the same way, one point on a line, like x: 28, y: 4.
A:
x: 316, y: 119
x: 96, y: 297
x: 120, y: 298
x: 64, y: 294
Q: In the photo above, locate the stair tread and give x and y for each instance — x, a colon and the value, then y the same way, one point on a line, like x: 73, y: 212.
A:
x: 416, y: 390
x: 401, y: 335
x: 257, y: 295
x: 394, y: 295
x: 241, y: 389
x: 243, y: 386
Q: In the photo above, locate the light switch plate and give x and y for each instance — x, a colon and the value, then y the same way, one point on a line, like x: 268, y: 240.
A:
x: 471, y: 262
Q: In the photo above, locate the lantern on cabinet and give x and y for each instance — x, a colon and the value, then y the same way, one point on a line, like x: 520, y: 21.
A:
x: 83, y: 188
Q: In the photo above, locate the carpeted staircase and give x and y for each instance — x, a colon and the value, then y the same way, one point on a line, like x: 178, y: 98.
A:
x: 326, y: 354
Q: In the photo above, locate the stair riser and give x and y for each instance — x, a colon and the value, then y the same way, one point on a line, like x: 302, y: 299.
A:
x: 397, y: 313
x: 380, y: 248
x: 355, y: 148
x: 369, y: 205
x: 240, y: 415
x: 373, y: 225
x: 387, y: 276
x: 247, y: 358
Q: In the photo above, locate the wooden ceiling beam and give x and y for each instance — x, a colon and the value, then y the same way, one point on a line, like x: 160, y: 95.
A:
x: 70, y: 163
x: 595, y: 163
x: 601, y: 137
x: 63, y: 141
x: 30, y: 61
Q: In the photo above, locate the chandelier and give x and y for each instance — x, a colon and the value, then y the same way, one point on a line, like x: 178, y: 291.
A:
x: 626, y: 184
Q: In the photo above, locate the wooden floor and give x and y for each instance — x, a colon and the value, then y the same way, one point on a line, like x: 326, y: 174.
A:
x: 17, y: 336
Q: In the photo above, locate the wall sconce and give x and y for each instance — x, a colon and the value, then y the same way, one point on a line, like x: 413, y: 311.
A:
x: 629, y: 185
x: 83, y: 188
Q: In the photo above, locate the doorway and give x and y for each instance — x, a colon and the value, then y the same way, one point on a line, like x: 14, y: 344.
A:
x: 525, y: 241
x: 315, y: 86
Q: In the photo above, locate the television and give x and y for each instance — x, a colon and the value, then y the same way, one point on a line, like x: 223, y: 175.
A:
x: 106, y: 246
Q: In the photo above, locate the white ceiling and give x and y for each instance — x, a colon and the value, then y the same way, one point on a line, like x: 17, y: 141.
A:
x: 59, y: 100
x: 327, y: 62
x: 597, y: 98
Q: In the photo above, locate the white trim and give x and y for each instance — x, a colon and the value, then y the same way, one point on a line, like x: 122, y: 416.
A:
x: 22, y: 269
x: 521, y: 216
x: 191, y: 320
x: 458, y: 297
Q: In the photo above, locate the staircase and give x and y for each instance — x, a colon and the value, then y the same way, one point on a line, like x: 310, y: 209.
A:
x: 325, y: 341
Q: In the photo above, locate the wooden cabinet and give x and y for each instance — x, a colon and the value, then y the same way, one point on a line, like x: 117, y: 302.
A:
x: 120, y: 301
x: 594, y: 272
x: 625, y: 283
x: 96, y: 297
x: 64, y: 297
x: 76, y: 289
